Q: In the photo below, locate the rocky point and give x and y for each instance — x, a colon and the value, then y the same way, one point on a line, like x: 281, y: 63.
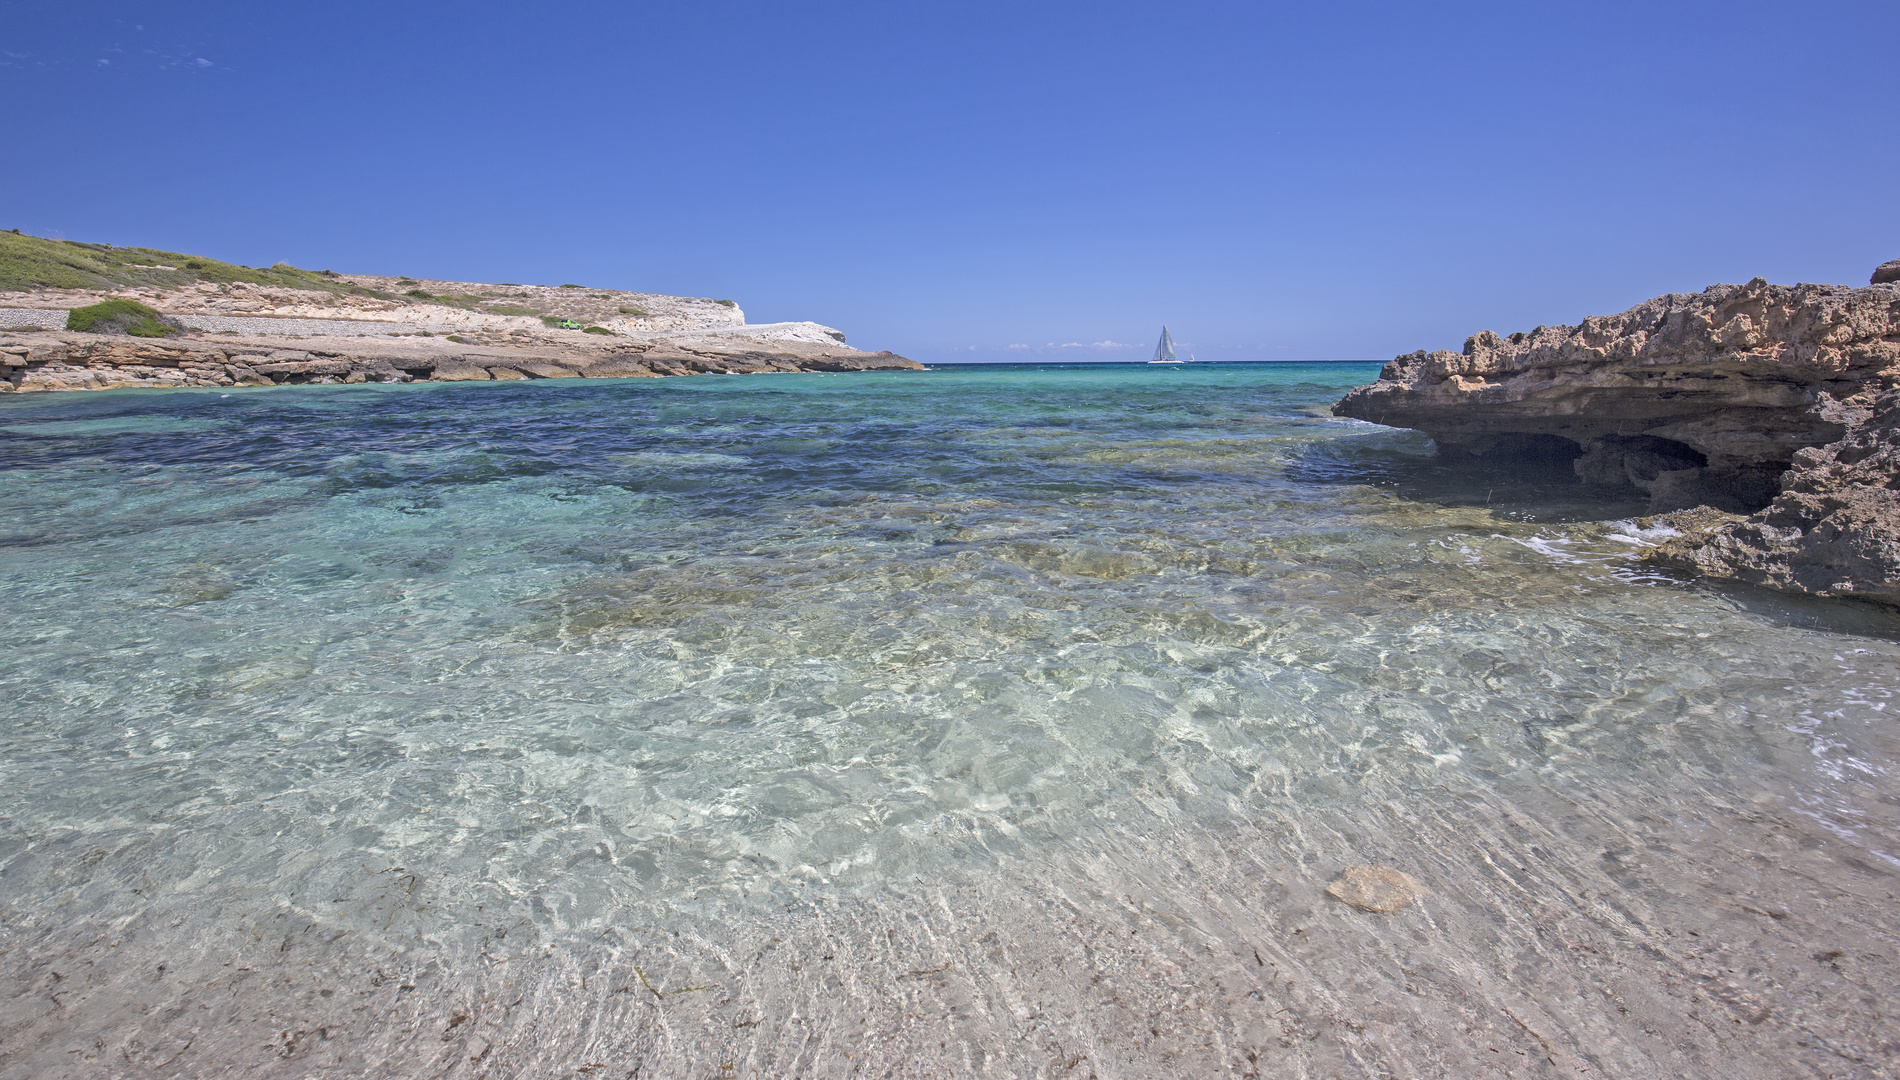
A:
x: 1769, y: 411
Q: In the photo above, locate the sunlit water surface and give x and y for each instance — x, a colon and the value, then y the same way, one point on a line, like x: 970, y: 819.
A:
x: 983, y: 721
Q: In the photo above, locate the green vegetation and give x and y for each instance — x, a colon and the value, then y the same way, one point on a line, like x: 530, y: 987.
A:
x: 599, y: 330
x: 34, y: 262
x: 635, y: 312
x: 465, y: 301
x: 510, y: 309
x: 573, y: 286
x: 406, y: 280
x: 118, y: 316
x: 457, y: 338
x: 725, y: 303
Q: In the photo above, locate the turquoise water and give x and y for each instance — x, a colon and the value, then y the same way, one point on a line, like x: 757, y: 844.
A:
x: 999, y: 720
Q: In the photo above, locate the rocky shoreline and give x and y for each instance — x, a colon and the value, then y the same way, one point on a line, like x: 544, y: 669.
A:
x: 1763, y: 422
x: 64, y: 360
x: 231, y: 325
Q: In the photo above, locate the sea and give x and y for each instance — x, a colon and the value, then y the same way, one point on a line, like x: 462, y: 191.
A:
x: 983, y: 721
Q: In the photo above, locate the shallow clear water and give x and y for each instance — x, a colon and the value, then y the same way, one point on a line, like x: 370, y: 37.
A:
x: 1002, y: 721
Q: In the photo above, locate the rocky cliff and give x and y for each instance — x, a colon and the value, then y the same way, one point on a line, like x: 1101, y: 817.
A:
x: 280, y: 324
x: 1772, y: 403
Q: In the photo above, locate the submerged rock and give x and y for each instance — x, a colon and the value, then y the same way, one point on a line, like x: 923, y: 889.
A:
x: 1770, y: 402
x: 1375, y: 888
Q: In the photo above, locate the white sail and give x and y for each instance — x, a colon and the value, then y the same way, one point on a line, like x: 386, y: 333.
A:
x: 1164, y: 349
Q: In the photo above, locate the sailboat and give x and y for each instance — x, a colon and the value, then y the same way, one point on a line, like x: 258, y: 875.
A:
x: 1164, y: 349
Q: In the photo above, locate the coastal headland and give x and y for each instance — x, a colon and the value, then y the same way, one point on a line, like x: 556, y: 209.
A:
x: 229, y: 325
x: 1763, y: 422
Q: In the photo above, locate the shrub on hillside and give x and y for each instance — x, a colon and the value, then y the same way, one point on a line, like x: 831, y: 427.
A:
x: 119, y: 316
x: 596, y: 330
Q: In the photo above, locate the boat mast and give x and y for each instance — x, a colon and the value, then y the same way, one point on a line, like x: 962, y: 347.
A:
x: 1164, y: 349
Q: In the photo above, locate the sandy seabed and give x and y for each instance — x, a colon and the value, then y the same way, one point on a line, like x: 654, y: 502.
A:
x: 856, y: 727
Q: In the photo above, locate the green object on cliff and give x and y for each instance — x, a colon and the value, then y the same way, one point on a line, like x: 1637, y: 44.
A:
x: 597, y: 330
x: 121, y: 316
x: 35, y: 262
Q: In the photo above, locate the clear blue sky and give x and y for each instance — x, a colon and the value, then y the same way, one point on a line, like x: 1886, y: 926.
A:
x: 1318, y: 180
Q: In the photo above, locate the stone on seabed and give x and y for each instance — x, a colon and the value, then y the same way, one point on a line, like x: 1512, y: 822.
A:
x: 1375, y: 888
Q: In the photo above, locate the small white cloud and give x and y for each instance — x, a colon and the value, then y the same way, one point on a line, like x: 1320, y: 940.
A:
x: 105, y: 63
x: 1019, y: 346
x: 202, y: 62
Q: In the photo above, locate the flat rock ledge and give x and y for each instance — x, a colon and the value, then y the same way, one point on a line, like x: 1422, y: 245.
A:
x: 63, y: 360
x: 1770, y: 410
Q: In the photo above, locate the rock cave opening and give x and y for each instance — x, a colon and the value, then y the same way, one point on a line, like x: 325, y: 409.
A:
x: 1675, y: 475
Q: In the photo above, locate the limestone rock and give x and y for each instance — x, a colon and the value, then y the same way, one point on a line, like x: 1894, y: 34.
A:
x: 877, y: 361
x: 1834, y: 530
x: 1767, y: 400
x: 542, y: 369
x: 1888, y: 271
x: 458, y: 371
x: 44, y: 359
x: 1739, y: 376
x: 669, y: 360
x: 1375, y: 888
x: 619, y: 368
x: 305, y: 367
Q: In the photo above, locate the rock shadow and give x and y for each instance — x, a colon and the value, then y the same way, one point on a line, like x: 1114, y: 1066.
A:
x: 1528, y: 479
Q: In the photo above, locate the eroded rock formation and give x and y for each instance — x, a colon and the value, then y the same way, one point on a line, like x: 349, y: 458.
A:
x: 1771, y: 401
x: 1834, y: 530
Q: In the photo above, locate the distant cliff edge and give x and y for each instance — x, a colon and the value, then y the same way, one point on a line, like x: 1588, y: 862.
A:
x: 205, y: 322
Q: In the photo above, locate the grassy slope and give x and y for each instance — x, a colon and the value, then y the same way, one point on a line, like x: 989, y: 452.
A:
x: 32, y: 262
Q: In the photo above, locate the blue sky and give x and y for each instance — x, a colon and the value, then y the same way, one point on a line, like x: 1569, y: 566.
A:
x: 988, y: 181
